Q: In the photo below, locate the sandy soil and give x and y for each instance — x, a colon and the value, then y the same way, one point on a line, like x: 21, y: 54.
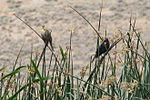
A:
x: 56, y: 15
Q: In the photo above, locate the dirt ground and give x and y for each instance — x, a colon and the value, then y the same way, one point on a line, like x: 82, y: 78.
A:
x: 56, y: 15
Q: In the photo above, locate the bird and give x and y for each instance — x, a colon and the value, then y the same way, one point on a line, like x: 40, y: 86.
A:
x: 46, y: 36
x: 102, y: 48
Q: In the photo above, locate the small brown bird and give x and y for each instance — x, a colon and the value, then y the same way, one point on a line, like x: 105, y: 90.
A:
x: 46, y: 36
x: 102, y: 48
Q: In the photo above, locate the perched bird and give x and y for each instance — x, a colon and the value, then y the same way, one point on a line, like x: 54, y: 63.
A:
x: 102, y: 48
x: 46, y: 36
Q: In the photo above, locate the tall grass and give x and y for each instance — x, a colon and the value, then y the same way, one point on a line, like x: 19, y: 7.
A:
x: 56, y: 80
